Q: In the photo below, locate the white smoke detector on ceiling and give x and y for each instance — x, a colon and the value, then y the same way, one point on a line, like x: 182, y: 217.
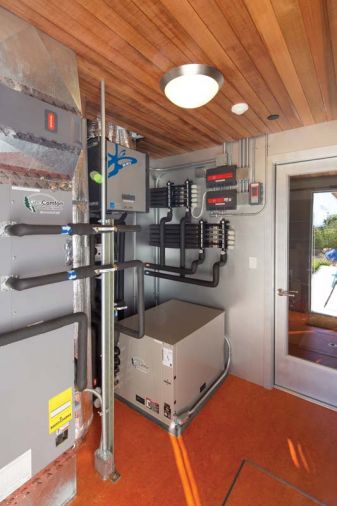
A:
x: 192, y: 85
x: 240, y: 108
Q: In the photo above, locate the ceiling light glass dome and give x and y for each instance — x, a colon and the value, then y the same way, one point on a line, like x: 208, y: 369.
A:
x: 192, y: 85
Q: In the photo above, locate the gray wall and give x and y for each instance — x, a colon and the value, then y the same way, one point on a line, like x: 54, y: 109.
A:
x: 241, y: 288
x: 246, y: 293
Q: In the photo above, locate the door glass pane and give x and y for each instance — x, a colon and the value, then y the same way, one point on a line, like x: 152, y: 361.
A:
x: 312, y: 331
x: 324, y: 254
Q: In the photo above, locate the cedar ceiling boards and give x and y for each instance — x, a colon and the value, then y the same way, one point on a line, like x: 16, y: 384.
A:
x: 279, y: 56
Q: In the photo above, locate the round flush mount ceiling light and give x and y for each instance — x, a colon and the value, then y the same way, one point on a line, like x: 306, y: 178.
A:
x: 192, y: 85
x: 240, y: 108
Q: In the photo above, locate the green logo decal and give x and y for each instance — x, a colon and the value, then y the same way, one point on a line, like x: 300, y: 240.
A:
x: 43, y: 203
x: 29, y: 205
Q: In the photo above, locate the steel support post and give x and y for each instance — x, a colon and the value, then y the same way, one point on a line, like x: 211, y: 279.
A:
x: 104, y: 455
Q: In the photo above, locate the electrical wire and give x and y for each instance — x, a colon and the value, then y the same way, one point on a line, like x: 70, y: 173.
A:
x: 203, y: 200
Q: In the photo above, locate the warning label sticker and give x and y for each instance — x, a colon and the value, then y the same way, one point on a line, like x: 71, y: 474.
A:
x: 154, y: 406
x: 167, y: 410
x: 60, y: 410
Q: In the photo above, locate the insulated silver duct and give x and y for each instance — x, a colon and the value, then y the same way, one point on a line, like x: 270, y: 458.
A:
x: 81, y: 257
x: 37, y: 72
x: 114, y: 133
x: 37, y: 65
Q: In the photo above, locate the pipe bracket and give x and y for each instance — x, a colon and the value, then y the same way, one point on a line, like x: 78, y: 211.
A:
x: 3, y: 284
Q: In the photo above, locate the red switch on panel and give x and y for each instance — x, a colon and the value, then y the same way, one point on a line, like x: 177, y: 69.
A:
x: 51, y: 121
x: 255, y: 193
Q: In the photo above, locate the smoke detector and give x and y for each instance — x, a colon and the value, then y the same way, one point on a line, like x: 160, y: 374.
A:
x: 240, y: 108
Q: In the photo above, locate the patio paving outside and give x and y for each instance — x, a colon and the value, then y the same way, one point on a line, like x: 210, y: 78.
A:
x: 321, y: 286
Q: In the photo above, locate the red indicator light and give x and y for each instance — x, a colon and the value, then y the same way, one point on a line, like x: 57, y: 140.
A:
x: 217, y: 200
x: 216, y: 177
x: 51, y: 121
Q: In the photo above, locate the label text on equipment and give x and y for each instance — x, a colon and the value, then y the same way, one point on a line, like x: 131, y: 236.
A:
x: 60, y: 410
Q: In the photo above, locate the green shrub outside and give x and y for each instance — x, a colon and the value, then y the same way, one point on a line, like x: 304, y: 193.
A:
x: 318, y: 262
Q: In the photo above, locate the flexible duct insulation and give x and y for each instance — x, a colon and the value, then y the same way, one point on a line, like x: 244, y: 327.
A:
x: 81, y: 257
x: 114, y: 133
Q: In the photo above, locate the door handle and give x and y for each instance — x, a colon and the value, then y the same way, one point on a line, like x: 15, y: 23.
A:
x: 120, y: 308
x: 286, y: 293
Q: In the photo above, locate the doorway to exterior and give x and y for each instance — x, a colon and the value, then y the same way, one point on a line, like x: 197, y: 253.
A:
x: 306, y: 279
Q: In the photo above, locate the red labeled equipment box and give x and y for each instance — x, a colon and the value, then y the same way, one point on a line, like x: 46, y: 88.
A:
x: 221, y: 176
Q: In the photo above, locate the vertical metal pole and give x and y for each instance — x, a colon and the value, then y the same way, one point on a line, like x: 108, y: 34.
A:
x: 104, y: 456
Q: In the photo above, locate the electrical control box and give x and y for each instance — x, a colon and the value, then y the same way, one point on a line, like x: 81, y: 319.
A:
x: 223, y: 200
x: 255, y: 193
x: 127, y: 178
x: 221, y: 176
x: 180, y: 356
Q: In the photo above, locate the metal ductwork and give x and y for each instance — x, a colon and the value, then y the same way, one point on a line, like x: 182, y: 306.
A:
x: 40, y: 124
x: 114, y: 133
x: 43, y: 179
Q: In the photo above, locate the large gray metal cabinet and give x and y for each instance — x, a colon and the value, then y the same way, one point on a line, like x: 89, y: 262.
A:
x: 34, y: 372
x: 179, y: 357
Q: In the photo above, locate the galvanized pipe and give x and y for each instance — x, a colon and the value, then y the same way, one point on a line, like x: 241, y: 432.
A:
x: 247, y: 152
x: 105, y: 260
x: 103, y: 156
x: 105, y: 454
x: 253, y: 158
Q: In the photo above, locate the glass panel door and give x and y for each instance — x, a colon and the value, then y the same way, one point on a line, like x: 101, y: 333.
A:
x: 306, y: 279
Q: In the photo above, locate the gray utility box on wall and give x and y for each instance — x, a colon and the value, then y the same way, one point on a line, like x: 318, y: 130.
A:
x: 179, y: 357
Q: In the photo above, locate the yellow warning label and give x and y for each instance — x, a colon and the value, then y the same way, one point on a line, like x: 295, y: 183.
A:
x: 60, y: 410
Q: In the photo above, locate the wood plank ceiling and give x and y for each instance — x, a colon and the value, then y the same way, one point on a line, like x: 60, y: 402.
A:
x: 279, y: 56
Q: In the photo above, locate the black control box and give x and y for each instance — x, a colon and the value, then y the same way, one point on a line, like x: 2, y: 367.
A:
x: 223, y: 200
x: 225, y: 175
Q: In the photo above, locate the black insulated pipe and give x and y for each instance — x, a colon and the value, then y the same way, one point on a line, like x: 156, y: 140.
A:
x: 164, y: 220
x: 183, y: 221
x: 20, y: 284
x: 24, y: 229
x: 127, y: 228
x: 183, y: 270
x: 97, y: 228
x: 89, y: 271
x: 139, y: 333
x: 179, y: 270
x: 213, y: 283
x: 119, y: 279
x: 36, y: 329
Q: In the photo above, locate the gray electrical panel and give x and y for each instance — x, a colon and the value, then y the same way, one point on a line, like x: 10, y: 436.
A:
x: 36, y: 375
x: 128, y: 177
x: 177, y: 360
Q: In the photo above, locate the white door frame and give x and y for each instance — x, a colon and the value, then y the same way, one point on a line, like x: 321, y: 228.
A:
x: 294, y: 373
x: 269, y: 335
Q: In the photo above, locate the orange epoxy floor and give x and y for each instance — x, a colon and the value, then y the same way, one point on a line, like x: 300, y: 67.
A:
x: 291, y: 438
